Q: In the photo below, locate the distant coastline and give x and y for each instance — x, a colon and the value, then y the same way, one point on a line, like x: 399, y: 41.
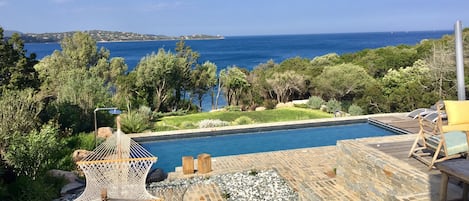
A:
x: 112, y: 36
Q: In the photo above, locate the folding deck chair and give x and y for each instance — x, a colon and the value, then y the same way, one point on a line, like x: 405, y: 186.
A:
x: 439, y: 141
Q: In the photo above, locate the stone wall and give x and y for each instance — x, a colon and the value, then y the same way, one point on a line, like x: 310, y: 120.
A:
x: 377, y: 176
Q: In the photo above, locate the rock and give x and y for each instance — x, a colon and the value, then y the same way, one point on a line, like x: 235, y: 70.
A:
x: 287, y: 104
x: 323, y: 108
x: 156, y: 175
x: 260, y: 108
x: 80, y: 154
x: 70, y: 177
x: 71, y: 188
x: 104, y: 132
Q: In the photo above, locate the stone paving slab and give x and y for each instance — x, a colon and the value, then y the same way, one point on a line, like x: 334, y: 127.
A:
x: 309, y: 171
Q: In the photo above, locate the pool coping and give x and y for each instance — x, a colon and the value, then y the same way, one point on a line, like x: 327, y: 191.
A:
x: 204, y: 132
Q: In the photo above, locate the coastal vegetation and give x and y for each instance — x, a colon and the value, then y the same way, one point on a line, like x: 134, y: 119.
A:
x: 46, y: 106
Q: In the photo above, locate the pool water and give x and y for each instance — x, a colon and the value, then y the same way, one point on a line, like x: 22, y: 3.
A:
x: 170, y: 152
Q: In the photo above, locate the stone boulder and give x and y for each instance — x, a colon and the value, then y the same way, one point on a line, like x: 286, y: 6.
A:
x: 73, y: 183
x: 70, y: 177
x: 156, y: 175
x: 287, y: 104
x: 260, y: 108
x: 104, y: 132
x: 80, y: 154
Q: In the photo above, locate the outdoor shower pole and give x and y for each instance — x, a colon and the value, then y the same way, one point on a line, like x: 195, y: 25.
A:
x: 459, y: 61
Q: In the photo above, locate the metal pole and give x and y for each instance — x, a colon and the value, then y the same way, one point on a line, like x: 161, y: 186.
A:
x: 459, y: 61
x: 96, y: 122
x: 95, y: 128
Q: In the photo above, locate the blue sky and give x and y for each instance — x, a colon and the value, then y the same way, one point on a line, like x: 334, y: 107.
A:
x: 237, y: 17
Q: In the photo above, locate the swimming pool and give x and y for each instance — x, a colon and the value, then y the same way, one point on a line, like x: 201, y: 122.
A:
x: 170, y: 152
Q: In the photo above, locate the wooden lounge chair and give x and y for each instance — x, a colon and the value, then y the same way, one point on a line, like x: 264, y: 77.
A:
x: 441, y: 142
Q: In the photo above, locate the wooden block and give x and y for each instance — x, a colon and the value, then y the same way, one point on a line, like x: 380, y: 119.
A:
x: 204, y: 163
x: 104, y: 194
x: 188, y: 165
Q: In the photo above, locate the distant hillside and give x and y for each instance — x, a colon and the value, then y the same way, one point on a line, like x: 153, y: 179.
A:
x: 8, y: 33
x: 108, y: 36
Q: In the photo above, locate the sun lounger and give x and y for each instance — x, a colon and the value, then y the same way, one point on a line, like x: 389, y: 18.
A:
x: 425, y: 111
x: 433, y: 116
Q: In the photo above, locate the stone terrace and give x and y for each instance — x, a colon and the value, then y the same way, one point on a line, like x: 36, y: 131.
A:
x: 367, y: 168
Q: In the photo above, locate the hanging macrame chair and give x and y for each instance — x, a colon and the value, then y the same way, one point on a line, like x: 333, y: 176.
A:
x: 118, y: 168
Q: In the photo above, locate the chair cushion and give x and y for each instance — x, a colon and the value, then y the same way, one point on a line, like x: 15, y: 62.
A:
x: 457, y: 112
x: 456, y: 142
x: 458, y: 127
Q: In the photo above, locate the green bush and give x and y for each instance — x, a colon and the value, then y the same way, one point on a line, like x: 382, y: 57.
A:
x: 232, y: 108
x: 42, y: 188
x: 187, y: 125
x: 315, y: 102
x: 158, y: 128
x: 333, y: 105
x: 270, y: 104
x: 211, y: 123
x: 243, y: 120
x: 302, y: 105
x: 355, y: 110
x: 134, y: 122
x: 33, y: 154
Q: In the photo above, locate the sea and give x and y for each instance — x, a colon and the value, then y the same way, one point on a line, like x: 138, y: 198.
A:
x: 250, y: 51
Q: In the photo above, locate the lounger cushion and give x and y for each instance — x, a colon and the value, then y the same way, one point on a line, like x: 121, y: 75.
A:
x: 456, y: 142
x: 457, y: 112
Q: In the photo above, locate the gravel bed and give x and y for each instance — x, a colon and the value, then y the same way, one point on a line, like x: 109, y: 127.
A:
x: 249, y: 185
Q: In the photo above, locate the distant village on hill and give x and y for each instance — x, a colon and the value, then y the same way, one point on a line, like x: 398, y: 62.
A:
x: 108, y: 36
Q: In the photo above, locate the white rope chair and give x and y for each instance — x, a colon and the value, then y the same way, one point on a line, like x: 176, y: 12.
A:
x: 117, y: 168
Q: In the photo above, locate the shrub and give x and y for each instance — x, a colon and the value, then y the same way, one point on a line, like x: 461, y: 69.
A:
x: 186, y: 125
x: 33, y: 154
x: 270, y: 104
x: 145, y: 110
x: 302, y: 105
x: 233, y: 108
x: 44, y: 187
x: 79, y: 141
x: 315, y: 102
x: 243, y: 120
x: 134, y: 122
x: 355, y: 110
x: 211, y: 123
x: 333, y: 105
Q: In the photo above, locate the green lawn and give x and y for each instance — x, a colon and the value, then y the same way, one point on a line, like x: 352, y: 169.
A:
x: 276, y: 115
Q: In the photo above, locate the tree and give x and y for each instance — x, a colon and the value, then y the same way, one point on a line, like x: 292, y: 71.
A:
x: 286, y: 84
x: 81, y: 50
x: 342, y: 80
x: 77, y: 79
x: 407, y: 88
x: 233, y: 82
x: 84, y: 90
x: 442, y: 66
x: 182, y: 74
x: 378, y: 61
x: 19, y: 113
x: 156, y: 75
x: 259, y: 79
x: 16, y: 69
x: 204, y: 79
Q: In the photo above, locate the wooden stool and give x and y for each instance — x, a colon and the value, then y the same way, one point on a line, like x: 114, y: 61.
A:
x: 458, y: 169
x: 204, y: 163
x: 188, y: 165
